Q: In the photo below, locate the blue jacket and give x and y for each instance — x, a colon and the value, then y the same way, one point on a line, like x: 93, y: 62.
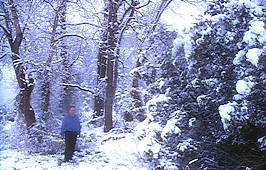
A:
x: 70, y: 123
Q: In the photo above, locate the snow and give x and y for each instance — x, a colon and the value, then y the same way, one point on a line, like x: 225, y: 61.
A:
x: 238, y: 97
x: 161, y: 84
x: 207, y: 31
x: 257, y: 27
x: 114, y: 150
x: 215, y: 19
x: 225, y: 112
x: 187, y: 47
x: 253, y: 5
x: 262, y: 143
x: 8, y: 86
x: 211, y: 81
x: 170, y: 128
x: 133, y: 71
x: 12, y: 159
x: 158, y: 99
x: 9, y: 126
x: 244, y: 86
x: 186, y: 144
x: 201, y: 98
x: 177, y: 44
x: 253, y: 55
x: 255, y: 33
x: 218, y: 17
x: 145, y: 133
x: 123, y: 152
x: 250, y: 38
x: 191, y: 121
x: 239, y: 57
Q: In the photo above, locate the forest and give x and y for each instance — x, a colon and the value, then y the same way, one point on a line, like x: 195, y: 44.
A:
x: 157, y: 84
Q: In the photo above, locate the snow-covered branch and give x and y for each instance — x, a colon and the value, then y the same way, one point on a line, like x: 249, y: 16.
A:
x: 77, y: 86
x: 85, y: 23
x: 144, y: 5
x: 4, y: 29
x: 2, y: 56
x: 68, y: 35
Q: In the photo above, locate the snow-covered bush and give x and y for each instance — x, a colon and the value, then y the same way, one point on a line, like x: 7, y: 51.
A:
x: 229, y: 45
x: 169, y: 94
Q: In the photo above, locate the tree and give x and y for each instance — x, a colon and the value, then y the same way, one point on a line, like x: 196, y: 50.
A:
x: 117, y: 18
x: 115, y: 24
x: 65, y: 99
x: 14, y: 33
x: 59, y: 14
x: 138, y: 102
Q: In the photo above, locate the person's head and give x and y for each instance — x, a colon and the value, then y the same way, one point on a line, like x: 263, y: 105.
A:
x: 72, y: 110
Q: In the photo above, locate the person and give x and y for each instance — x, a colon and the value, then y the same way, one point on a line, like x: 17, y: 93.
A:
x: 70, y: 130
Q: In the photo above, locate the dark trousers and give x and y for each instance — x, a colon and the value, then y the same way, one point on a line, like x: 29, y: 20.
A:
x: 70, y: 142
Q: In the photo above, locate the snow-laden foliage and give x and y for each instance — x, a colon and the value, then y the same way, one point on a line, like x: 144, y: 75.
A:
x: 219, y: 87
x: 230, y: 48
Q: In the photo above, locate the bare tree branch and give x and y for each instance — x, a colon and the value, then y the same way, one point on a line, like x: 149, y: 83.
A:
x: 67, y: 35
x: 28, y: 18
x: 164, y: 4
x: 85, y: 23
x: 144, y: 5
x: 5, y: 54
x: 162, y: 8
x: 76, y: 59
x: 77, y: 86
x: 5, y: 30
x: 19, y: 34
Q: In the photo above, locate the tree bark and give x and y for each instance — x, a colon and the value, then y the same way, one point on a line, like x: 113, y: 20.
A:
x: 101, y: 69
x: 101, y: 73
x: 26, y: 84
x: 111, y: 44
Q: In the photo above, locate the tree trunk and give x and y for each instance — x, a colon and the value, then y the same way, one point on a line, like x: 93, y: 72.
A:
x: 65, y: 99
x: 24, y: 106
x: 47, y: 73
x: 101, y: 73
x: 111, y: 44
x: 23, y: 98
x: 101, y: 69
x: 108, y: 120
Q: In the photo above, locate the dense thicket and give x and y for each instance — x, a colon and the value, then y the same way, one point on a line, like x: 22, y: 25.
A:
x: 216, y: 90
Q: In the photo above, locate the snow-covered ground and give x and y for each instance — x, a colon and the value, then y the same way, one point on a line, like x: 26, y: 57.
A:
x: 8, y: 85
x: 108, y: 156
x: 114, y: 150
